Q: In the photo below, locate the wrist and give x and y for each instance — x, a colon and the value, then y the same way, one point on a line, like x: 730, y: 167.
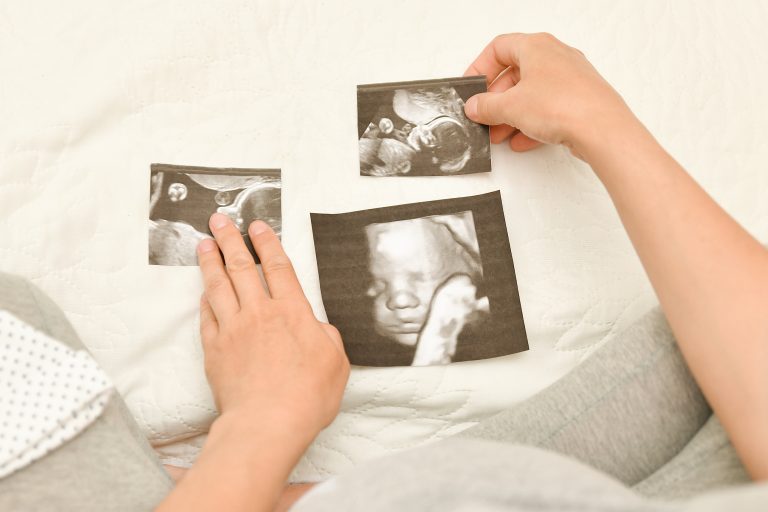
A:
x: 620, y: 151
x: 261, y: 430
x: 599, y: 132
x: 244, y: 464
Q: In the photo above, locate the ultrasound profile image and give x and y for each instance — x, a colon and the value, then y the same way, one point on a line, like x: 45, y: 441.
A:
x: 183, y: 198
x: 419, y: 129
x: 421, y: 284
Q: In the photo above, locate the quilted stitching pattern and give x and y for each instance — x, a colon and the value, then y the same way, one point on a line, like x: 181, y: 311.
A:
x: 92, y: 93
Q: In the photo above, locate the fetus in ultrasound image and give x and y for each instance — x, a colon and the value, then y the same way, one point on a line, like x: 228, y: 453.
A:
x: 415, y: 290
x: 182, y: 199
x: 426, y: 283
x: 420, y: 129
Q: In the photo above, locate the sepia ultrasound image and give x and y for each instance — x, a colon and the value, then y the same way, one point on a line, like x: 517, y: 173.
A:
x: 421, y: 284
x: 419, y: 128
x: 182, y: 199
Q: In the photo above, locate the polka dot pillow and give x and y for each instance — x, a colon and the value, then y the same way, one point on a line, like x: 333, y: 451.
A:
x: 49, y: 393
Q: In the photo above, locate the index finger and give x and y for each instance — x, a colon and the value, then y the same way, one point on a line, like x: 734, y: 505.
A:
x: 277, y: 268
x: 218, y: 287
x: 238, y: 260
x: 501, y: 53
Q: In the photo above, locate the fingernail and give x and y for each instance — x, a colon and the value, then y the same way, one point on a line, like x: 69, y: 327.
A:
x: 219, y: 220
x: 258, y: 227
x: 471, y: 108
x: 206, y: 245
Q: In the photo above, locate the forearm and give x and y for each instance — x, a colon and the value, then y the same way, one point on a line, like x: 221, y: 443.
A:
x: 243, y: 466
x: 710, y: 276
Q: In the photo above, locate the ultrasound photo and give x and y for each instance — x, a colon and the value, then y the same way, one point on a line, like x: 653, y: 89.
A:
x: 419, y: 129
x: 183, y: 198
x: 421, y: 284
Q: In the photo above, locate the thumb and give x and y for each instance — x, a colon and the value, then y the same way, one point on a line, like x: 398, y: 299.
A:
x: 491, y: 108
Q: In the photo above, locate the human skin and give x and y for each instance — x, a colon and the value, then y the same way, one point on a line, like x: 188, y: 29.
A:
x: 710, y: 275
x: 276, y: 372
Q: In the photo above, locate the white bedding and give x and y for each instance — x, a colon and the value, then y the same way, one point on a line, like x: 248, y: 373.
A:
x: 92, y: 92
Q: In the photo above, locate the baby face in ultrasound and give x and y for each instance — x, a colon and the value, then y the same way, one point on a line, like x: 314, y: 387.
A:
x: 423, y: 131
x: 408, y: 261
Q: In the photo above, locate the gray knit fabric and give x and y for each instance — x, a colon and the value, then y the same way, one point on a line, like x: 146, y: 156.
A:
x: 108, y: 467
x: 627, y: 430
x: 486, y: 476
x: 466, y: 474
x: 632, y: 410
x: 707, y: 462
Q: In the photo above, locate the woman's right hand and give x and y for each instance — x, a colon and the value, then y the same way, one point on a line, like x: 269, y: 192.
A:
x: 276, y: 372
x: 709, y: 274
x: 543, y: 91
x: 267, y: 357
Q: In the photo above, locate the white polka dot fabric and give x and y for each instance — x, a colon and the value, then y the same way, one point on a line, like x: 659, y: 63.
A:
x: 48, y: 393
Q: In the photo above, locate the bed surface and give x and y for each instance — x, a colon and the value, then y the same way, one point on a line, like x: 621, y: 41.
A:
x: 93, y: 92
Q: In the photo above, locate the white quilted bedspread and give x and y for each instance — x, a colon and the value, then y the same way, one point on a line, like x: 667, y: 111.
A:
x: 92, y: 92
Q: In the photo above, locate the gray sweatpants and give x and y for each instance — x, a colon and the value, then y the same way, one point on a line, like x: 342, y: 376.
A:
x: 109, y: 467
x: 632, y: 410
x: 627, y: 430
